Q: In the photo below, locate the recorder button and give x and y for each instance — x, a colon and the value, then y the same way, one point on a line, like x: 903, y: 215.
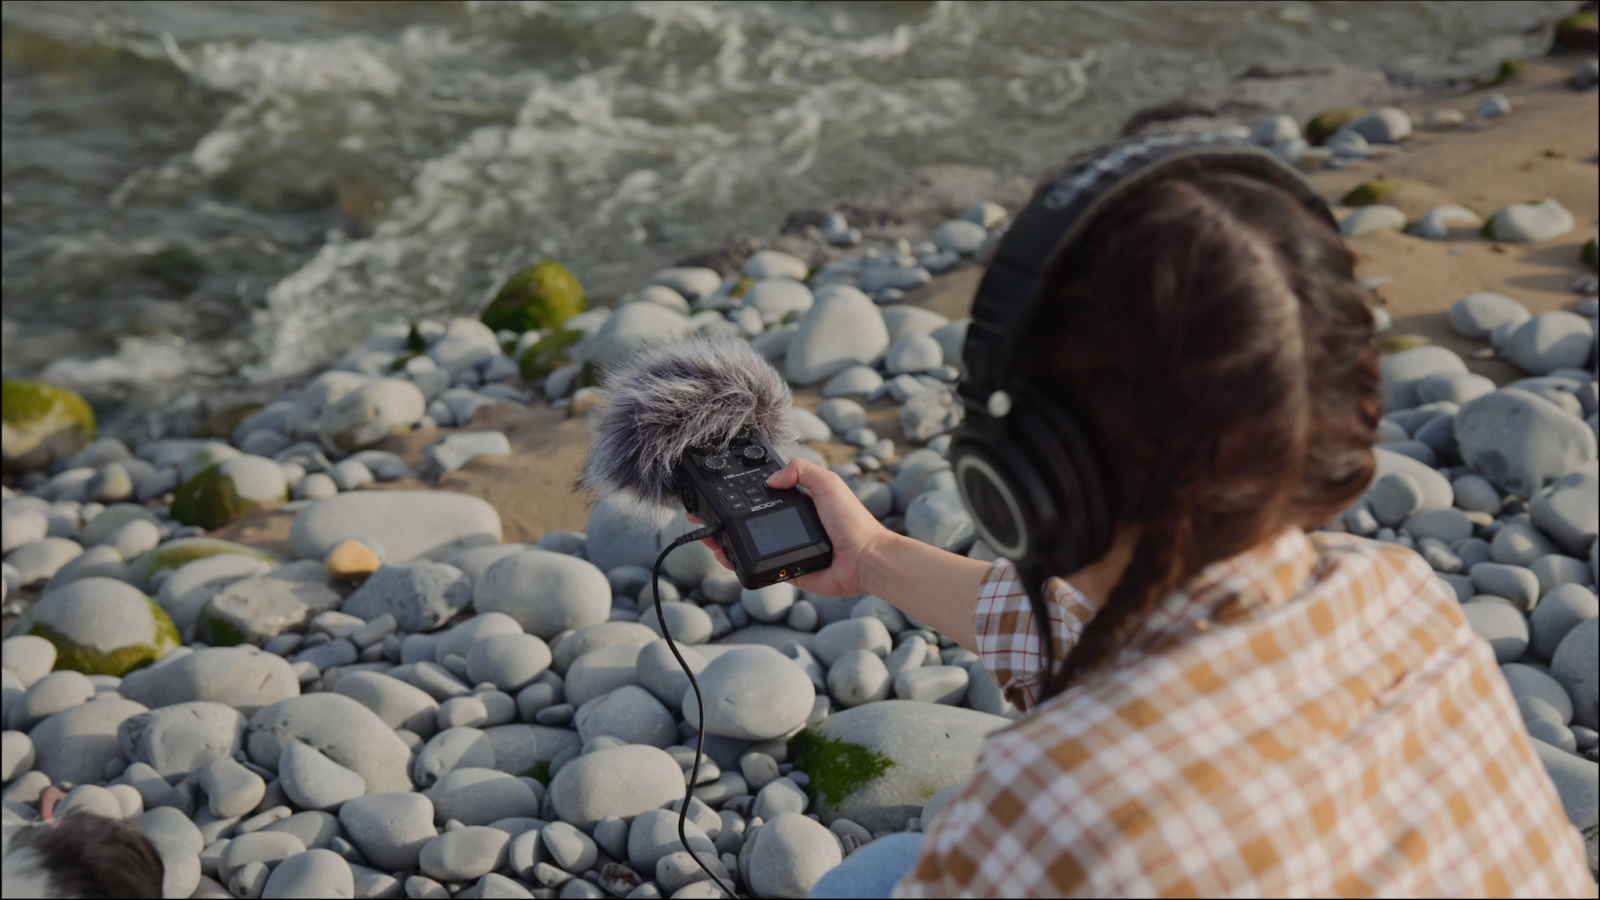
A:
x: 752, y: 492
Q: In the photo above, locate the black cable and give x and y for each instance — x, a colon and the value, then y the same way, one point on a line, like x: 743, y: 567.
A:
x: 700, y: 703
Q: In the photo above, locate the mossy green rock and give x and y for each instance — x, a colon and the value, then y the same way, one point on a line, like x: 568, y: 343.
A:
x: 100, y: 626
x: 174, y: 554
x: 41, y: 423
x: 1576, y: 32
x: 1323, y: 125
x: 541, y: 296
x: 1369, y: 192
x: 879, y: 763
x: 551, y: 353
x: 220, y: 493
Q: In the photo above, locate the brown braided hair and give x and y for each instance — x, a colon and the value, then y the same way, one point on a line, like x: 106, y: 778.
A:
x: 1212, y: 335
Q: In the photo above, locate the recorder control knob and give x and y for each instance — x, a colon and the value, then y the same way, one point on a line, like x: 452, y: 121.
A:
x: 715, y: 463
x: 755, y: 453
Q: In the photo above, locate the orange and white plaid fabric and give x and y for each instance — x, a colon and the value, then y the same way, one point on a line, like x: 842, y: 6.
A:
x: 1312, y: 718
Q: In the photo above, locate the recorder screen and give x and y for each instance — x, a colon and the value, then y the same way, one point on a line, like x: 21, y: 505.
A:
x: 776, y: 532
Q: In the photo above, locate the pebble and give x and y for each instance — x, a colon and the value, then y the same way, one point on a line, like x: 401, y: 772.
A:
x: 1559, y: 611
x: 1474, y: 493
x: 654, y: 835
x: 1501, y: 625
x: 177, y: 739
x: 420, y: 595
x: 1521, y: 442
x: 1447, y: 525
x: 928, y: 414
x: 691, y: 282
x: 49, y: 695
x: 244, y: 678
x: 92, y: 800
x: 842, y: 414
x: 932, y: 684
x: 231, y: 789
x: 266, y: 848
x: 960, y: 235
x: 843, y: 328
x: 569, y: 848
x: 604, y: 669
x: 342, y: 729
x: 1492, y: 105
x: 389, y: 828
x: 186, y: 589
x: 316, y: 486
x: 28, y: 657
x: 256, y: 609
x: 807, y: 426
x: 768, y: 604
x: 478, y: 796
x: 1436, y: 223
x: 788, y: 855
x: 1394, y: 498
x: 350, y: 474
x: 622, y: 781
x: 856, y: 381
x: 314, y: 781
x: 634, y: 326
x: 914, y: 353
x: 463, y: 344
x: 1576, y: 664
x: 1454, y: 388
x: 630, y: 713
x: 858, y: 677
x: 752, y: 693
x: 689, y: 624
x: 677, y: 871
x: 930, y: 746
x: 508, y: 661
x: 1530, y: 222
x: 407, y: 524
x: 1368, y: 219
x: 1537, y: 694
x: 1554, y: 570
x: 940, y: 518
x: 314, y: 828
x: 833, y: 641
x: 1570, y: 513
x: 1476, y: 315
x: 1402, y: 372
x: 803, y: 616
x: 1550, y: 341
x: 658, y: 671
x: 40, y: 560
x: 1519, y: 544
x: 456, y: 450
x: 464, y: 854
x: 16, y: 755
x: 778, y: 298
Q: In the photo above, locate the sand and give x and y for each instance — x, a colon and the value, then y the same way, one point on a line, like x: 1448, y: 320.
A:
x: 1545, y: 148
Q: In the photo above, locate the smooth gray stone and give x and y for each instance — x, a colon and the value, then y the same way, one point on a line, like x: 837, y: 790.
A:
x: 1554, y: 570
x: 1521, y: 442
x: 389, y: 828
x: 1558, y: 612
x: 1527, y: 681
x: 256, y: 609
x: 244, y: 678
x: 174, y: 740
x: 933, y: 684
x: 569, y: 848
x: 519, y: 749
x: 1476, y: 315
x: 631, y: 713
x: 779, y: 796
x: 1455, y: 388
x: 451, y: 749
x: 1576, y: 664
x: 1436, y: 490
x: 177, y: 841
x: 342, y: 729
x: 621, y: 781
x: 314, y: 828
x: 1570, y: 514
x: 768, y: 604
x: 314, y: 873
x: 1519, y: 544
x: 856, y: 381
x: 659, y: 673
x: 752, y: 693
x: 40, y: 560
x: 398, y: 704
x: 841, y: 415
x: 1400, y: 373
x: 621, y: 531
x: 654, y: 834
x: 789, y: 854
x: 604, y: 670
x: 77, y: 744
x: 1514, y: 583
x: 1550, y: 341
x: 1394, y: 497
x: 858, y: 677
x: 686, y: 622
x: 49, y: 695
x: 28, y: 657
x: 1447, y: 525
x: 841, y: 329
x: 546, y: 593
x: 835, y: 640
x: 677, y: 871
x: 16, y: 755
x: 1577, y: 782
x: 940, y: 518
x: 461, y: 638
x: 508, y: 661
x: 231, y: 789
x: 101, y: 616
x: 187, y: 589
x: 267, y: 847
x: 408, y: 524
x: 1474, y: 493
x: 478, y: 796
x: 313, y: 781
x: 1501, y: 624
x: 464, y: 854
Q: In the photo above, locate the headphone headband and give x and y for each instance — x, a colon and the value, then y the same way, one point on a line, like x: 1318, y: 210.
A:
x: 1042, y: 235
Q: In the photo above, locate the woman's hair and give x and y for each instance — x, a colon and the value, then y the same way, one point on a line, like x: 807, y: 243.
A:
x: 1209, y: 330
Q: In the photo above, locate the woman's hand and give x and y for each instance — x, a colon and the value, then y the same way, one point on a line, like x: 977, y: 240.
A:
x: 853, y: 532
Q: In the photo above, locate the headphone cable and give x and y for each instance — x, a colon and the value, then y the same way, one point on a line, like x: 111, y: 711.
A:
x: 700, y: 703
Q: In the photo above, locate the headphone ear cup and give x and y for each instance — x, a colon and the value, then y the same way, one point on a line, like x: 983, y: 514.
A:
x: 1078, y: 478
x: 1010, y: 504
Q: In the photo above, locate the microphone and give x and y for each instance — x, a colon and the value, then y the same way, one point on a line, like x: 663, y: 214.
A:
x: 695, y: 423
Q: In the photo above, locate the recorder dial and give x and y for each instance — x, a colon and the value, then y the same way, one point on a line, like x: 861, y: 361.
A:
x: 717, y: 463
x: 755, y: 453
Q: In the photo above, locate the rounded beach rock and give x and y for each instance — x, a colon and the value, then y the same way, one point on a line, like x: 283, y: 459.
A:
x: 843, y: 328
x: 77, y: 744
x: 1522, y: 442
x: 342, y: 729
x: 100, y: 626
x: 245, y: 678
x: 619, y: 781
x: 175, y: 740
x: 475, y: 796
x: 420, y: 594
x: 752, y: 693
x: 547, y: 593
x: 407, y: 524
x: 790, y: 854
x: 389, y: 828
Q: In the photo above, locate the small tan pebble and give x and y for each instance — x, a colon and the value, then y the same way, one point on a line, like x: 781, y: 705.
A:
x: 351, y: 560
x: 1446, y: 118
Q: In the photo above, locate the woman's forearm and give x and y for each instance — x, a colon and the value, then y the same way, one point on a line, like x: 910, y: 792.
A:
x: 936, y: 587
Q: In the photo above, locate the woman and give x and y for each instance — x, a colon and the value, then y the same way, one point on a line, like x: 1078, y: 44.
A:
x: 1240, y: 706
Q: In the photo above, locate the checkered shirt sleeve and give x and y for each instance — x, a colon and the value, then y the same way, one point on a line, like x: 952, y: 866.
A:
x: 1313, y: 718
x: 1008, y: 641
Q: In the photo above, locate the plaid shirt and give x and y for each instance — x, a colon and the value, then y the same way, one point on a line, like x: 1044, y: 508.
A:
x: 1313, y: 717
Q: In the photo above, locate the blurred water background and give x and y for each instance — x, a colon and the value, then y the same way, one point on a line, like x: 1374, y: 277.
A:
x: 202, y: 195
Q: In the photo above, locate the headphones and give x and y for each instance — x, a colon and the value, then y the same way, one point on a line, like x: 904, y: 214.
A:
x: 1038, y: 488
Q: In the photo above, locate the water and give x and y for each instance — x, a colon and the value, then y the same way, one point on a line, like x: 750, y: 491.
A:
x: 200, y: 196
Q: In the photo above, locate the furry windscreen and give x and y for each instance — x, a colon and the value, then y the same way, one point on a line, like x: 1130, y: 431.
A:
x: 668, y: 398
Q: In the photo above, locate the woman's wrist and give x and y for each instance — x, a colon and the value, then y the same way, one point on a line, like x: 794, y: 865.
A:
x: 875, y: 573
